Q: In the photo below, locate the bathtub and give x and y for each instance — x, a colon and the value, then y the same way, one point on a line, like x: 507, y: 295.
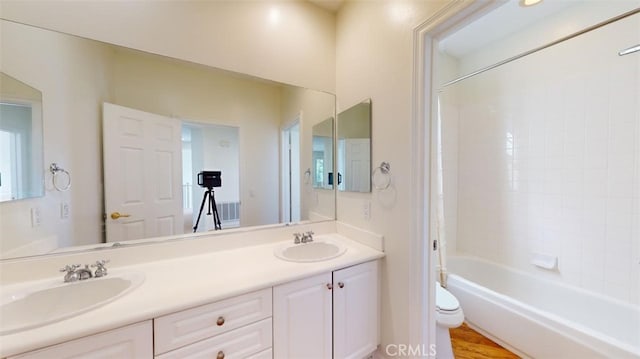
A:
x: 540, y: 318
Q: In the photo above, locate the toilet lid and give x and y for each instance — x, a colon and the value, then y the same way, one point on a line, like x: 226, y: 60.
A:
x: 445, y: 300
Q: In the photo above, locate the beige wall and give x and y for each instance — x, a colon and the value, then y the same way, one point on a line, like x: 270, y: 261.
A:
x: 374, y: 48
x: 286, y: 41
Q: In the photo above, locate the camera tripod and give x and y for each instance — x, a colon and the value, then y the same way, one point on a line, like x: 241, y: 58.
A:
x: 212, y: 208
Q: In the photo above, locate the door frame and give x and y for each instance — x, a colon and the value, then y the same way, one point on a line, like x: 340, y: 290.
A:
x: 286, y: 205
x: 452, y: 16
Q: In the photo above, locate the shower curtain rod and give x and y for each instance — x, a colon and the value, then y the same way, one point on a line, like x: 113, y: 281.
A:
x: 540, y: 48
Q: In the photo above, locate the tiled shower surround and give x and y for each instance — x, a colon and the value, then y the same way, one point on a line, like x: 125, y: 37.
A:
x: 542, y: 155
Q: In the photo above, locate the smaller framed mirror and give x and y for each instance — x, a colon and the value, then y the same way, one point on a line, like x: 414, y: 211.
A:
x: 21, y: 163
x: 354, y: 148
x: 322, y: 154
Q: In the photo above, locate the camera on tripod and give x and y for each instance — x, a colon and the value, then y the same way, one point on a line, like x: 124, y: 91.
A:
x: 210, y: 179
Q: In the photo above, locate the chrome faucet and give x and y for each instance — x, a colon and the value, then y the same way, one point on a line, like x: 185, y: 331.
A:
x: 75, y: 273
x: 296, y: 238
x: 71, y: 275
x: 307, y: 237
x: 84, y: 273
x: 101, y: 270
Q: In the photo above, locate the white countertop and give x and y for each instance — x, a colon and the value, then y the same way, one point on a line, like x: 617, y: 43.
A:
x: 177, y: 284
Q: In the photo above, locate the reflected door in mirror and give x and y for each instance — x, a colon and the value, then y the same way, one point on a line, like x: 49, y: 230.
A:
x: 354, y: 148
x: 142, y: 178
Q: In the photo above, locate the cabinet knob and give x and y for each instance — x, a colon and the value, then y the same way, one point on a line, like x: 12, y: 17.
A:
x: 329, y: 286
x: 220, y: 321
x: 220, y: 355
x: 340, y: 284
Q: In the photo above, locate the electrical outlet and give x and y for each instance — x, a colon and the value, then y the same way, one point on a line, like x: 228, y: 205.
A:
x: 36, y: 217
x: 64, y: 210
x: 366, y: 210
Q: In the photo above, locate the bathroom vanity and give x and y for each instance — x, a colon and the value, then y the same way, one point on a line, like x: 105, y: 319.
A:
x: 237, y: 303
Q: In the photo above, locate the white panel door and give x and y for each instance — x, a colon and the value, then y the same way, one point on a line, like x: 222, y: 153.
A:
x: 355, y: 311
x: 302, y: 319
x: 357, y: 175
x: 142, y: 174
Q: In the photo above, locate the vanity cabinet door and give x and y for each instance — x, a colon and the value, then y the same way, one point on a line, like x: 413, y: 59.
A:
x: 302, y: 318
x: 355, y: 311
x: 131, y: 342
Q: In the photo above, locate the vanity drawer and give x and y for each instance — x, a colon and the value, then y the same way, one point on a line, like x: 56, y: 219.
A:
x: 265, y: 354
x: 189, y: 326
x: 250, y: 341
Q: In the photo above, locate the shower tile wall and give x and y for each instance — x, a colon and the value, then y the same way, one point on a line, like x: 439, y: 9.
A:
x: 548, y: 161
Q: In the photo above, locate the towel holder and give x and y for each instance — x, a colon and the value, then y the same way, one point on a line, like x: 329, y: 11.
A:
x: 383, y: 171
x: 57, y: 172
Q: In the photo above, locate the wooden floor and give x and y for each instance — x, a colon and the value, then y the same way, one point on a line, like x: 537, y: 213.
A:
x: 469, y: 344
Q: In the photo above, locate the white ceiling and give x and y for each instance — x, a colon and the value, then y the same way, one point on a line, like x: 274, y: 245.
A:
x: 499, y: 23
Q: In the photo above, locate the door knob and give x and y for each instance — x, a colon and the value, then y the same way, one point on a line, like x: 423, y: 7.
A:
x: 116, y: 215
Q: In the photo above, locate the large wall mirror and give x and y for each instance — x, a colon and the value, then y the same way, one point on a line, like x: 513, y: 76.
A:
x: 134, y: 131
x: 21, y: 168
x: 354, y: 148
x: 322, y: 159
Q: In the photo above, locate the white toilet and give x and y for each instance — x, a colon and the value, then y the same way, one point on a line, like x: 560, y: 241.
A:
x: 448, y: 315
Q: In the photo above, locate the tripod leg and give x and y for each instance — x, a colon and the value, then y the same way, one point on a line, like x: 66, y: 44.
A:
x: 216, y: 217
x: 204, y: 199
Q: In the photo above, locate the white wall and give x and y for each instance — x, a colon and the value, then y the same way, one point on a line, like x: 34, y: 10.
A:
x: 549, y: 162
x: 74, y: 78
x: 286, y: 41
x: 374, y: 60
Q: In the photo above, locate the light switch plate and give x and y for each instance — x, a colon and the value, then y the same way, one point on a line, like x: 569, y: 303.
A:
x: 64, y: 210
x: 36, y: 217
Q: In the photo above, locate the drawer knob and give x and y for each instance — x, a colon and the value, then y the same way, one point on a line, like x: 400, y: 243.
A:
x: 220, y: 355
x: 220, y: 321
x: 340, y: 284
x: 329, y: 286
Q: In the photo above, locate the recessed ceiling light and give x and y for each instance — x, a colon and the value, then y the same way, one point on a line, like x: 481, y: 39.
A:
x: 525, y: 3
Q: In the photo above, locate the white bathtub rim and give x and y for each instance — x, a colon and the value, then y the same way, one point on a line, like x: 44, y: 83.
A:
x: 575, y: 331
x: 573, y: 287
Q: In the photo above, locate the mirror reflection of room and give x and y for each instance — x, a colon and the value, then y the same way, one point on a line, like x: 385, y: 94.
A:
x: 21, y: 168
x: 322, y: 160
x: 354, y: 148
x: 195, y: 99
x: 210, y: 148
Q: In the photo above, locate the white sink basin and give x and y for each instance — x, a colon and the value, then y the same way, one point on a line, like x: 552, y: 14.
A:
x: 51, y: 302
x: 316, y: 251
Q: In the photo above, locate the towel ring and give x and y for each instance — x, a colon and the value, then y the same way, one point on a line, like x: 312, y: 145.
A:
x: 56, y: 172
x: 385, y: 171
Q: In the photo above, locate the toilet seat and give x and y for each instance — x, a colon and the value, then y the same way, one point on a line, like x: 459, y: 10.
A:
x: 448, y: 311
x: 445, y: 301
